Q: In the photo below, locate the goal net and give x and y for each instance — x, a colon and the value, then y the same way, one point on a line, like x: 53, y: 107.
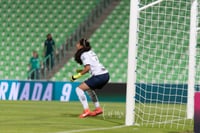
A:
x: 163, y: 38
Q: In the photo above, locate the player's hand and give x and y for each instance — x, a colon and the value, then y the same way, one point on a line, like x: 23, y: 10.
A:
x: 74, y: 77
x: 78, y: 70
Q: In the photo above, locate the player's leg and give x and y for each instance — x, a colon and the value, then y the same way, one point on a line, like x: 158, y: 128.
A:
x: 93, y: 97
x: 98, y: 110
x: 83, y: 99
x: 96, y: 82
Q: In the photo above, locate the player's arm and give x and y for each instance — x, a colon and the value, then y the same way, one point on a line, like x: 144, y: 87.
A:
x: 85, y: 70
x: 81, y: 72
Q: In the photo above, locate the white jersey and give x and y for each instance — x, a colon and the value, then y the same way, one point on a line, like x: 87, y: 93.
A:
x: 90, y: 58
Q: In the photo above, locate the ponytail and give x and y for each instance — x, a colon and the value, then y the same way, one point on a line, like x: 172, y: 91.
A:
x: 85, y: 43
x: 86, y: 47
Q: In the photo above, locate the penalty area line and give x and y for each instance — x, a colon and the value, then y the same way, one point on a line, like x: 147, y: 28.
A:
x: 92, y: 129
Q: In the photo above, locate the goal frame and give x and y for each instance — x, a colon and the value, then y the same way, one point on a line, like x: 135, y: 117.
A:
x: 132, y: 59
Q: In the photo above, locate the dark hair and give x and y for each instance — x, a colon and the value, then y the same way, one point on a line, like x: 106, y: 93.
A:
x: 86, y: 47
x: 85, y: 43
x: 49, y: 34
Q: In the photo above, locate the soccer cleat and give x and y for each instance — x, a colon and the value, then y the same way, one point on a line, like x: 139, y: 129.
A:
x: 85, y: 113
x: 96, y: 112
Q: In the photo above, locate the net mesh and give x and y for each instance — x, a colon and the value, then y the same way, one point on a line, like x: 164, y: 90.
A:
x: 162, y: 64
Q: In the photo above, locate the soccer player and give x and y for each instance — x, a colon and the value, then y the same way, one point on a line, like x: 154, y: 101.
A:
x: 99, y: 77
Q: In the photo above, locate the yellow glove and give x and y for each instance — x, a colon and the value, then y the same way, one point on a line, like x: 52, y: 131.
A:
x: 76, y: 76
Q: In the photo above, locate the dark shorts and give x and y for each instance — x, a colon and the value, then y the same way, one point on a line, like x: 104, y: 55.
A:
x: 98, y: 81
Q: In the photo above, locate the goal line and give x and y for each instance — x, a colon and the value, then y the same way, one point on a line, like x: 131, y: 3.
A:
x: 94, y: 129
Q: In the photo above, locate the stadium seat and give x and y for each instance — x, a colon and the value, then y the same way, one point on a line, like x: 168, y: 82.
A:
x: 24, y: 29
x: 25, y: 24
x: 110, y: 43
x: 114, y: 39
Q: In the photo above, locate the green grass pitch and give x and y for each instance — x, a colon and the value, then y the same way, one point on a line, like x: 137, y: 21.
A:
x: 62, y: 117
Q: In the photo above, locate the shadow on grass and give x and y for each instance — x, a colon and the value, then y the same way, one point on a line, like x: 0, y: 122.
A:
x: 111, y: 120
x: 115, y: 121
x: 70, y: 115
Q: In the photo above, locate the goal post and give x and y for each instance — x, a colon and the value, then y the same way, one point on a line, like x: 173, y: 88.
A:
x: 192, y: 60
x: 161, y: 63
x: 132, y: 51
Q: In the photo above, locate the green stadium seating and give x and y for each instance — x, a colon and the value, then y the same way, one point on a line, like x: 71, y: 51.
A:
x: 110, y: 42
x: 25, y: 24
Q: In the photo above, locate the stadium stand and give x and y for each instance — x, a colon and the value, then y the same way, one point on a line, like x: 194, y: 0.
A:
x: 25, y: 24
x: 110, y: 42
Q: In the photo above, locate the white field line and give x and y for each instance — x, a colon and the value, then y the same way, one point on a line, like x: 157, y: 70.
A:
x: 93, y: 129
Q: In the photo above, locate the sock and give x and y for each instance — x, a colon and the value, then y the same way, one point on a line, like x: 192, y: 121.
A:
x: 82, y: 97
x: 97, y: 105
x: 93, y: 97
